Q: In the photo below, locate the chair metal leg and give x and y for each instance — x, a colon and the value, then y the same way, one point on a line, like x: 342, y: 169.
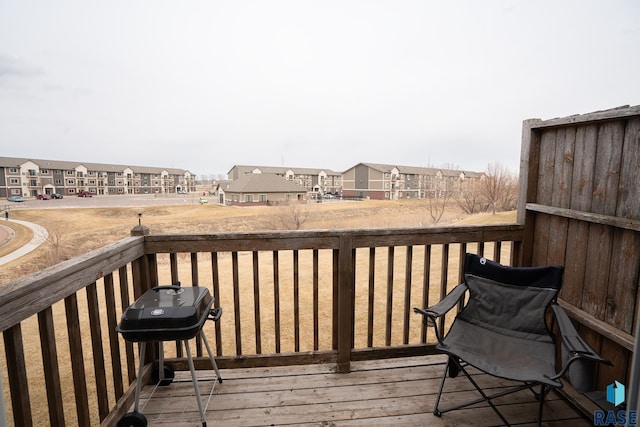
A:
x: 543, y: 392
x: 436, y: 411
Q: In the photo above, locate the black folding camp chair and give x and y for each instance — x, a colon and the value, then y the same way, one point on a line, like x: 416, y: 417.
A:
x: 502, y: 330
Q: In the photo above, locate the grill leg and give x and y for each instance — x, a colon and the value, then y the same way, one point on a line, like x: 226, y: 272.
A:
x: 195, y: 383
x: 160, y: 362
x: 213, y: 361
x: 143, y: 347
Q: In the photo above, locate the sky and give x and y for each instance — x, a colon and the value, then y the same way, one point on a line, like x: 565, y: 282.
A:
x: 206, y: 85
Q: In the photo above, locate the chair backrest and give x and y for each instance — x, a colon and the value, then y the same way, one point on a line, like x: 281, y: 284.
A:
x: 541, y: 277
x: 509, y: 300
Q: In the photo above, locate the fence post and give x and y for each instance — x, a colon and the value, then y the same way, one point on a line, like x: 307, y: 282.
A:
x: 345, y: 303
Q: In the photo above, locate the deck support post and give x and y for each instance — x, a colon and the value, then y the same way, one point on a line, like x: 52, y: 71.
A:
x: 345, y: 304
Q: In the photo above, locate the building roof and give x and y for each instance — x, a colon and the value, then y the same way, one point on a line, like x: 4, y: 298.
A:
x: 416, y: 170
x: 262, y: 183
x: 101, y: 167
x: 282, y: 170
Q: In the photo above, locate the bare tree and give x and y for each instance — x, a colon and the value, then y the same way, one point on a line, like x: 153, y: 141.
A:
x: 438, y: 200
x: 469, y: 200
x: 499, y: 187
x: 289, y: 217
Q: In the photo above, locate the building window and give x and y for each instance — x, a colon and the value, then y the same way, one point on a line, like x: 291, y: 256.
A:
x: 44, y: 171
x: 13, y: 170
x: 14, y: 181
x: 262, y: 197
x: 248, y: 197
x: 70, y: 182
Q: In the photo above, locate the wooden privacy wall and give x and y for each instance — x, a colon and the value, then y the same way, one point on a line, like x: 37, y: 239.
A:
x: 580, y: 204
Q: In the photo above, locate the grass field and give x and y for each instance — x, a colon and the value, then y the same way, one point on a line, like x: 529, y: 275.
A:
x: 76, y: 231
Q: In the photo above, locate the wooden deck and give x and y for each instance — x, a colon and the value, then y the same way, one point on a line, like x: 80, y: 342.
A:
x: 398, y: 392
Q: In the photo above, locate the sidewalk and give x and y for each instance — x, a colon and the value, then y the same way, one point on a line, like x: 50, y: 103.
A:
x: 40, y: 235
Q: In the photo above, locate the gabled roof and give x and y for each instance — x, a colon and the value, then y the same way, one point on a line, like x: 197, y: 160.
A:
x: 416, y: 170
x: 282, y: 170
x: 100, y: 167
x: 262, y: 183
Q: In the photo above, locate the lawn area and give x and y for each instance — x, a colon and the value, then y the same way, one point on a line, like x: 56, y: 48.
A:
x: 76, y: 231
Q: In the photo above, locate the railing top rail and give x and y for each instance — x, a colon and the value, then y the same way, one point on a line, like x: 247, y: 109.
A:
x: 328, y: 239
x: 27, y: 296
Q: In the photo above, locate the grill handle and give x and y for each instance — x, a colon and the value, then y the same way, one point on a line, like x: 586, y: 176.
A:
x: 215, y: 313
x: 173, y: 287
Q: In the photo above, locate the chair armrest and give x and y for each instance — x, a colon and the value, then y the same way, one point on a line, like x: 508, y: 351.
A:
x: 446, y: 304
x: 575, y: 349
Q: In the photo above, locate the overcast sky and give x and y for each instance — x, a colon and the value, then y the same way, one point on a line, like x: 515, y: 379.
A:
x: 205, y: 85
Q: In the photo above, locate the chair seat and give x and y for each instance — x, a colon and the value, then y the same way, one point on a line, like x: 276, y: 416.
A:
x: 513, y: 358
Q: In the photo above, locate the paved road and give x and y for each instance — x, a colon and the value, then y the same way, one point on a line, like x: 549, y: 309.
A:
x: 40, y: 234
x: 106, y: 201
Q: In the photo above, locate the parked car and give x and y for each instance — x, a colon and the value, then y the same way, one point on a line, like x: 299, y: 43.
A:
x: 84, y: 193
x: 202, y: 201
x: 56, y: 196
x: 15, y: 199
x: 43, y: 197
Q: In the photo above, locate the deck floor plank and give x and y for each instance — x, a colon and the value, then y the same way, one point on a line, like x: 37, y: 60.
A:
x: 398, y: 392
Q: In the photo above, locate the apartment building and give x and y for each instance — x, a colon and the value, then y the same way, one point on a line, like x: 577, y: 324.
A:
x: 31, y: 177
x: 392, y: 182
x: 312, y: 180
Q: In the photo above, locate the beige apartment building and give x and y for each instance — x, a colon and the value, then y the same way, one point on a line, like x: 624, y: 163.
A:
x: 392, y: 182
x: 32, y: 177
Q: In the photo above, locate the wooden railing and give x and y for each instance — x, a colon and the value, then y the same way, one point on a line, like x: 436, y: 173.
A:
x: 288, y: 298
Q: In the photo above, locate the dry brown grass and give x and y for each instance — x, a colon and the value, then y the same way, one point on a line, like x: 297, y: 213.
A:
x: 81, y: 230
x: 21, y: 236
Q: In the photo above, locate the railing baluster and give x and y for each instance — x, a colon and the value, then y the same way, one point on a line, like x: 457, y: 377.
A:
x: 336, y: 293
x: 497, y: 250
x: 216, y: 296
x: 390, y: 262
x: 175, y: 279
x: 296, y: 302
x: 77, y: 361
x: 316, y: 303
x: 461, y: 256
x: 17, y: 374
x: 112, y: 321
x: 173, y: 261
x: 124, y: 303
x: 51, y: 367
x: 256, y: 301
x: 195, y: 280
x: 97, y: 348
x: 276, y: 299
x: 371, y: 305
x: 236, y: 301
x: 444, y: 272
x: 426, y: 288
x: 407, y: 293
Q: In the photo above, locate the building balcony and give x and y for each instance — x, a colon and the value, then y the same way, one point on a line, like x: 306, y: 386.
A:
x: 317, y: 326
